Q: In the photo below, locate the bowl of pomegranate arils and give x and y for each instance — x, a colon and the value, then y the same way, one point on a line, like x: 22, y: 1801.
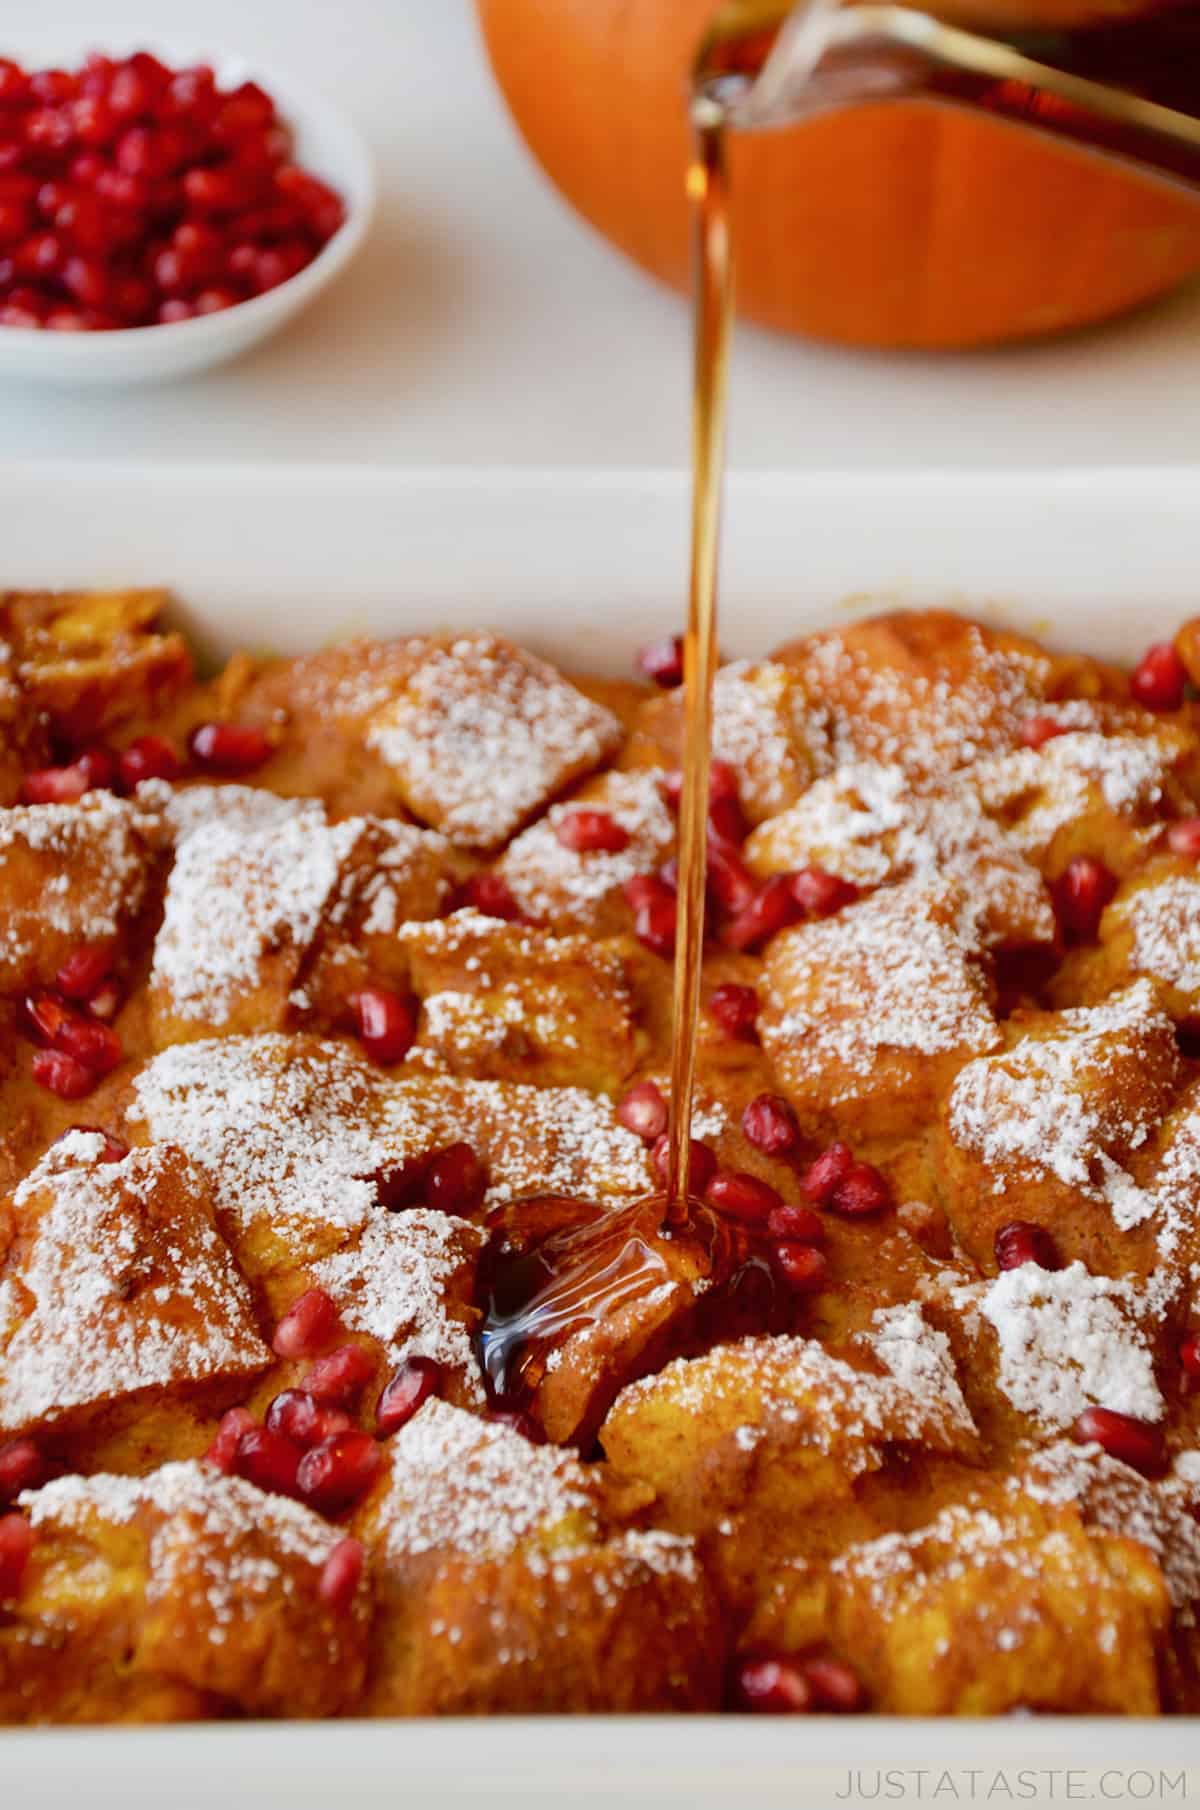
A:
x: 158, y: 216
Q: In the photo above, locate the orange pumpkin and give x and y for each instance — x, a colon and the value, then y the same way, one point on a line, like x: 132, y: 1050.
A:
x: 903, y: 224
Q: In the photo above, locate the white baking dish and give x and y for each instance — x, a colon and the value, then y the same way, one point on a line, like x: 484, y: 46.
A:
x: 584, y: 566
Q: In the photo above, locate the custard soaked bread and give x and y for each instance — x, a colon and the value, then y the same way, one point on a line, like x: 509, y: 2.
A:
x: 347, y: 1365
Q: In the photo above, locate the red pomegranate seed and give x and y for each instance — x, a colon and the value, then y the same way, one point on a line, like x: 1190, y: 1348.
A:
x: 802, y: 1267
x: 835, y: 1686
x: 58, y: 785
x: 94, y: 1045
x: 1183, y: 838
x: 105, y: 1002
x: 654, y: 925
x: 662, y: 662
x: 62, y: 1075
x: 310, y: 1323
x: 1135, y: 1442
x: 724, y: 802
x: 1189, y: 1358
x: 796, y: 1225
x: 414, y: 1382
x: 229, y: 748
x: 46, y: 1014
x: 491, y: 895
x: 591, y: 831
x: 1080, y: 894
x: 862, y: 1190
x: 771, y: 1126
x: 735, y: 1009
x: 770, y: 911
x: 402, y: 1186
x: 386, y: 1023
x: 302, y: 1419
x: 644, y: 1111
x: 16, y: 1544
x: 702, y: 1164
x: 149, y: 757
x: 267, y: 1459
x: 521, y: 1423
x: 648, y: 889
x: 21, y: 1467
x: 223, y: 1449
x: 340, y: 1376
x: 341, y: 1575
x: 772, y: 1684
x: 455, y: 1180
x: 744, y: 1196
x: 1021, y: 1241
x: 827, y: 1173
x: 83, y: 970
x: 338, y: 1471
x: 1159, y: 680
x: 1036, y: 731
x: 819, y: 894
x: 730, y: 881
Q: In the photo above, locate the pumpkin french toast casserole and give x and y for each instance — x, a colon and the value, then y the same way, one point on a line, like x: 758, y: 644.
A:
x: 347, y: 1363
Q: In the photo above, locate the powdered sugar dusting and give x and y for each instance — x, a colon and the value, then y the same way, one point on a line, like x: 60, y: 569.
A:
x: 553, y: 882
x: 1054, y: 784
x: 1165, y: 922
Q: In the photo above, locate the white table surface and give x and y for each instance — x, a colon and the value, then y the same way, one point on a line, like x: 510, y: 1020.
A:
x: 484, y: 324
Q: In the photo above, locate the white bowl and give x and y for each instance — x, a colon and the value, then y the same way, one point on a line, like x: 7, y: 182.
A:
x: 329, y: 146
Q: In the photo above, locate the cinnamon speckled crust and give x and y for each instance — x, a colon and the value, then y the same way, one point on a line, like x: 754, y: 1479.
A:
x: 881, y: 1468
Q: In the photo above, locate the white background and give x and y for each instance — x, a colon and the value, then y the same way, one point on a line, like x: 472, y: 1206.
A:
x: 484, y: 325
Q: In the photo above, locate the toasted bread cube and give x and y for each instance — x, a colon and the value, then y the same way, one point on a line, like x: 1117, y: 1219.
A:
x: 1151, y: 928
x: 509, y: 1579
x: 70, y: 874
x: 1010, y: 1605
x: 483, y: 734
x: 182, y: 1592
x: 563, y: 888
x: 1045, y: 1131
x: 89, y: 661
x: 870, y: 1013
x: 926, y: 690
x: 506, y: 1002
x: 868, y: 824
x: 116, y: 1288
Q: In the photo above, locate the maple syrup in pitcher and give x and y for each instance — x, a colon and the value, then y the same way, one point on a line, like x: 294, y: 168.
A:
x: 618, y: 1292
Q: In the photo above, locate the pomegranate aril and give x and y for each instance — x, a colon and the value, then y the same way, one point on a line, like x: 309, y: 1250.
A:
x: 1189, y: 1359
x: 655, y: 923
x: 93, y: 1044
x: 278, y: 263
x: 591, y: 832
x: 455, y: 1180
x: 215, y: 301
x: 772, y: 1684
x: 1080, y: 894
x: 648, y: 889
x: 830, y: 1169
x: 735, y: 1009
x: 341, y: 1575
x: 149, y: 757
x: 341, y: 1376
x: 386, y: 1023
x: 21, y: 1467
x: 662, y: 662
x: 223, y: 1449
x: 1183, y: 838
x: 802, y: 1266
x: 308, y: 1325
x: 338, y: 1471
x: 1036, y: 731
x: 643, y: 1111
x: 229, y: 748
x: 744, y: 1196
x: 267, y: 1459
x: 414, y: 1382
x: 16, y: 1545
x: 818, y: 894
x: 796, y: 1224
x: 491, y: 895
x: 771, y: 1126
x: 770, y: 911
x: 521, y: 1423
x: 702, y: 1164
x: 730, y: 881
x: 861, y: 1191
x: 304, y: 1420
x: 14, y: 83
x: 62, y: 1075
x: 402, y: 1186
x: 57, y: 785
x: 83, y: 970
x: 1021, y: 1241
x: 1159, y: 680
x: 835, y: 1686
x: 1135, y: 1442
